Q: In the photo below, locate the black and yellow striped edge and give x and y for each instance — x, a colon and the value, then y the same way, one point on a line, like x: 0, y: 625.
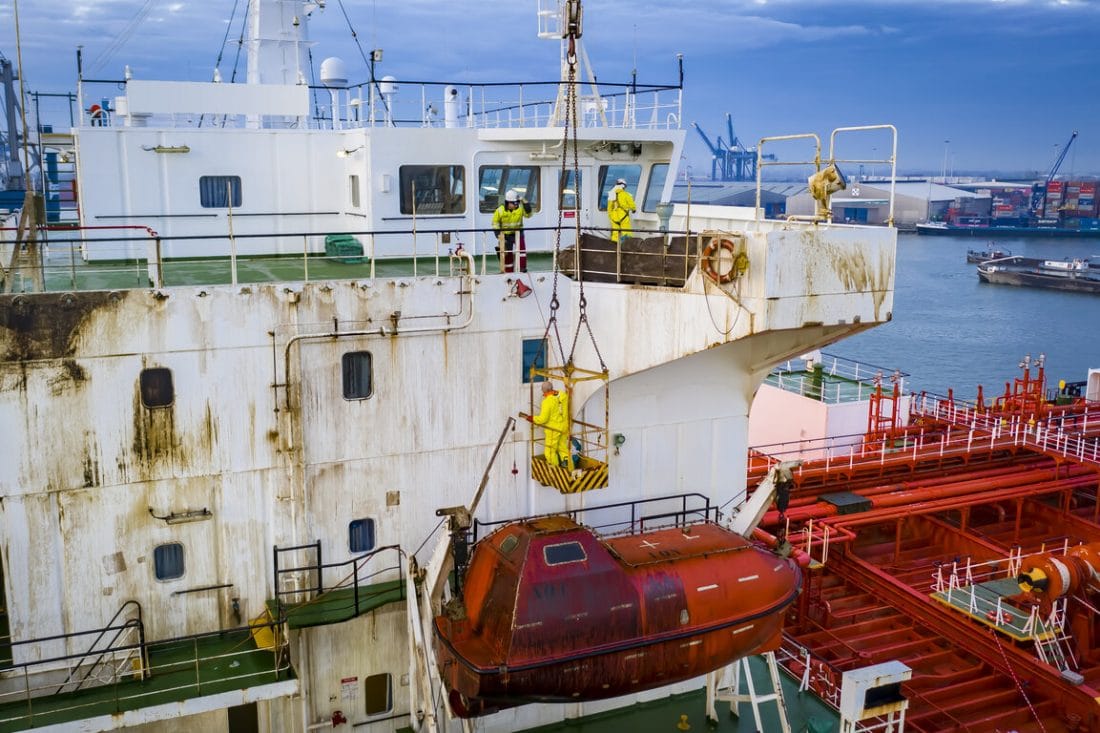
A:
x: 593, y: 475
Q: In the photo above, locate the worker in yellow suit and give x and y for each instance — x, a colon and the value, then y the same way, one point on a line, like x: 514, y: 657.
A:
x: 554, y: 418
x: 507, y: 224
x: 620, y: 205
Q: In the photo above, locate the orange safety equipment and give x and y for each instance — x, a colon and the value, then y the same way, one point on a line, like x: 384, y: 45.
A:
x: 719, y: 260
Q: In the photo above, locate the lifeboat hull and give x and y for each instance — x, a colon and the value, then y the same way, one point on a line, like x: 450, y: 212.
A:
x: 553, y: 614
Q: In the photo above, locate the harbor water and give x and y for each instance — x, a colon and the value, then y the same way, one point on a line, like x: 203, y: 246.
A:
x: 951, y: 331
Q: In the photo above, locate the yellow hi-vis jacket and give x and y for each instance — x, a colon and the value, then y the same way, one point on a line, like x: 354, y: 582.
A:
x: 510, y: 221
x: 620, y: 205
x: 554, y: 412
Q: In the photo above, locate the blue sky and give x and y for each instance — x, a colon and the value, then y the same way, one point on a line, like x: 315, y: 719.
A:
x: 1005, y: 81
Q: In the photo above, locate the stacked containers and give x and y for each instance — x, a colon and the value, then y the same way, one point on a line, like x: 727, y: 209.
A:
x: 1086, y: 199
x: 1054, y: 198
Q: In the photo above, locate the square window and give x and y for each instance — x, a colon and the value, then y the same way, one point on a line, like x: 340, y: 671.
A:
x: 657, y: 175
x: 156, y: 387
x: 358, y: 380
x: 611, y: 173
x: 433, y: 189
x: 378, y: 694
x: 361, y: 535
x: 168, y: 561
x: 219, y: 192
x: 568, y: 190
x: 534, y: 355
x: 496, y: 181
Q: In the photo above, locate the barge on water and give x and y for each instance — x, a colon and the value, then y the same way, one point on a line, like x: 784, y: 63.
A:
x: 1077, y: 275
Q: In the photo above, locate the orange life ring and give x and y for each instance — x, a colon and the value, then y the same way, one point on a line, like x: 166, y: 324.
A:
x: 713, y: 255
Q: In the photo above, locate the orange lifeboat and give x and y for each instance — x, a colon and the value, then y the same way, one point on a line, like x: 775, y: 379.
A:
x: 551, y: 612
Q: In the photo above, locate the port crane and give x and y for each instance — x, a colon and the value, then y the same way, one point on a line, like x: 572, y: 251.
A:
x: 1039, y: 190
x: 730, y: 161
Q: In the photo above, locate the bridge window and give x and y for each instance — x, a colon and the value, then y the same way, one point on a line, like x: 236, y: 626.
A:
x: 168, y: 561
x: 378, y: 694
x: 566, y: 552
x: 496, y: 180
x: 611, y: 173
x: 156, y: 387
x: 657, y: 175
x: 436, y: 189
x: 568, y: 190
x: 534, y: 355
x: 361, y: 535
x: 219, y: 192
x: 358, y: 375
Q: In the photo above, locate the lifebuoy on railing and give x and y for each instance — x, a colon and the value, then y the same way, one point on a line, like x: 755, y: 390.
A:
x: 721, y: 262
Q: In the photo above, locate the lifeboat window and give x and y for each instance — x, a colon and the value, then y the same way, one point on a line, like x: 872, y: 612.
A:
x: 496, y: 180
x: 439, y: 189
x: 564, y: 553
x: 508, y: 543
x: 168, y: 561
x: 219, y: 192
x: 568, y: 188
x: 378, y: 693
x: 611, y: 173
x: 358, y: 375
x: 657, y: 175
x: 534, y: 357
x: 361, y: 535
x: 156, y: 387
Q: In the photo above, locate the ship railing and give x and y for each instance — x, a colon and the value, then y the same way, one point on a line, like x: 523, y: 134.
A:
x: 821, y: 165
x: 794, y: 375
x: 144, y: 674
x: 1068, y: 431
x: 393, y: 102
x: 137, y: 257
x: 303, y: 581
x: 627, y: 517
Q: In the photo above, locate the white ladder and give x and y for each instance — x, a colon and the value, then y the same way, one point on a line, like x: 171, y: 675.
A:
x: 724, y: 685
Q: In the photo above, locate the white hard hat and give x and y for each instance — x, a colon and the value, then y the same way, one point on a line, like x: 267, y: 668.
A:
x: 620, y: 181
x: 511, y: 195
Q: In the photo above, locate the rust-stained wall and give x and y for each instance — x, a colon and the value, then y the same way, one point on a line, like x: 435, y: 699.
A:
x: 260, y: 436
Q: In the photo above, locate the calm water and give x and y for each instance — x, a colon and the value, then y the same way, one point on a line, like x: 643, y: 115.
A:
x: 950, y: 330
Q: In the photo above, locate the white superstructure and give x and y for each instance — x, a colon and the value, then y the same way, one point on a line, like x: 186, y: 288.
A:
x: 168, y: 444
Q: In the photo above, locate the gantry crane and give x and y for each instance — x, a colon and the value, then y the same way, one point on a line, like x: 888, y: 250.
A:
x: 732, y: 161
x: 1039, y: 190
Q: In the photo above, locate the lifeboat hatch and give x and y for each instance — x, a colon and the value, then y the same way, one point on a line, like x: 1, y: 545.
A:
x: 575, y: 459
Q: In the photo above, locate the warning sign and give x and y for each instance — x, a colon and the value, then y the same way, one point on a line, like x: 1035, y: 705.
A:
x: 349, y: 688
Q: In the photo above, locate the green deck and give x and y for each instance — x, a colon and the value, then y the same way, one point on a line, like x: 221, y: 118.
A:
x: 62, y: 273
x: 339, y: 604
x: 805, y: 713
x: 180, y: 670
x: 987, y: 595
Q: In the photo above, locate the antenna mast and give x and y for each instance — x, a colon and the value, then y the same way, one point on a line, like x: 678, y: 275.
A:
x: 560, y: 20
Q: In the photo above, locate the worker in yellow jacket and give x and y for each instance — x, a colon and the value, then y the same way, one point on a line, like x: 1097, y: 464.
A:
x: 620, y: 205
x: 507, y: 222
x: 554, y: 418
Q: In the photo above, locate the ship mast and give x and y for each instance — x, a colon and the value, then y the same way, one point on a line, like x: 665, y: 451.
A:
x: 278, y: 40
x: 561, y: 20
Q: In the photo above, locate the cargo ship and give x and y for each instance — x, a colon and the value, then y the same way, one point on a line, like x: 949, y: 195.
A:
x: 276, y: 350
x: 1054, y: 208
x: 1075, y: 276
